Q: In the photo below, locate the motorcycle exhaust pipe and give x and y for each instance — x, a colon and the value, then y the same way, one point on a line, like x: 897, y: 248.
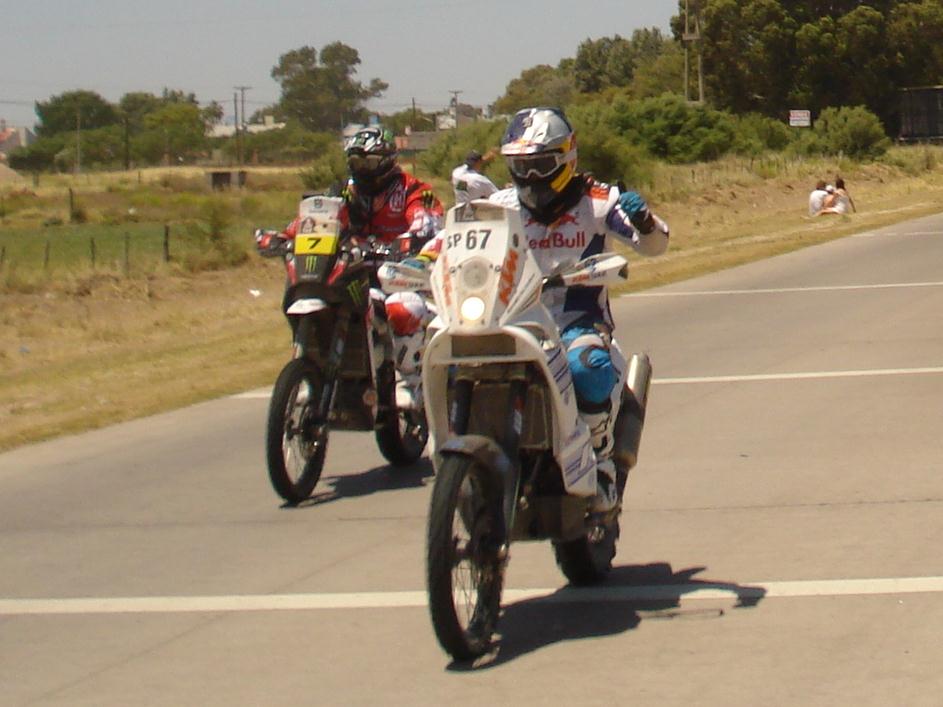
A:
x: 631, y: 418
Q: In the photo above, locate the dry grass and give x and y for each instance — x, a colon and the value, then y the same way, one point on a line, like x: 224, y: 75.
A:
x: 95, y: 348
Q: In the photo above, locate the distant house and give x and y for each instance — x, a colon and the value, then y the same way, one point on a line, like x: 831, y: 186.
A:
x: 415, y: 141
x: 12, y: 138
x: 252, y: 128
x: 457, y: 116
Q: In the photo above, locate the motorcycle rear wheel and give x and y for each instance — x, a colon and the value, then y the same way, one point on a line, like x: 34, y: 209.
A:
x: 296, y: 442
x: 465, y: 568
x: 587, y: 560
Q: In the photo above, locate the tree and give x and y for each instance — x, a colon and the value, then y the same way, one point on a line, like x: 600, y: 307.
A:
x: 135, y: 105
x: 611, y: 62
x: 415, y: 120
x: 602, y: 63
x: 174, y: 133
x: 661, y: 73
x: 538, y: 85
x: 770, y: 55
x: 66, y: 111
x: 749, y: 54
x: 915, y: 39
x: 322, y: 95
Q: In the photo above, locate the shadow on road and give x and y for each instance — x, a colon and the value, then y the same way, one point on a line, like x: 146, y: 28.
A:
x: 632, y: 592
x: 377, y: 479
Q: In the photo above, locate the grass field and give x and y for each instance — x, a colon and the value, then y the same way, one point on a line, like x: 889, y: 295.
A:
x: 83, y: 346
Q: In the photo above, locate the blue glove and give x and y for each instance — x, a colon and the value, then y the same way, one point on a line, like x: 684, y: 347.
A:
x: 417, y: 263
x: 632, y: 203
x: 634, y: 206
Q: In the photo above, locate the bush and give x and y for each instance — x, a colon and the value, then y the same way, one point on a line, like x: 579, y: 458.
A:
x: 852, y: 131
x: 675, y: 130
x: 605, y: 153
x: 756, y: 133
x: 449, y: 149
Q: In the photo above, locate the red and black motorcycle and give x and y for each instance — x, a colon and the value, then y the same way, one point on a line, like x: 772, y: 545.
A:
x: 342, y: 375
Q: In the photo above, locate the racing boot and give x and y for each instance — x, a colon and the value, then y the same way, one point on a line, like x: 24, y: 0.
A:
x: 407, y: 354
x: 607, y: 490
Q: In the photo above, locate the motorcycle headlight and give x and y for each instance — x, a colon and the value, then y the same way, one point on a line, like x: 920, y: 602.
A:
x: 475, y: 273
x: 472, y: 309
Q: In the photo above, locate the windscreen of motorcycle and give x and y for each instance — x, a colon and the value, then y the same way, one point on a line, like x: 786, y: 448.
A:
x: 317, y: 237
x: 485, y: 271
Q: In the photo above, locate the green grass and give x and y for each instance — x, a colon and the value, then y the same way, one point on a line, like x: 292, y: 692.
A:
x: 80, y: 348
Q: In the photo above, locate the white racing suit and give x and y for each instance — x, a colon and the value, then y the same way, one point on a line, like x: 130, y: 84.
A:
x: 582, y: 313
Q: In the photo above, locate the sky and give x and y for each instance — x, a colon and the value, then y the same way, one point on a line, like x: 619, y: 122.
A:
x: 424, y: 49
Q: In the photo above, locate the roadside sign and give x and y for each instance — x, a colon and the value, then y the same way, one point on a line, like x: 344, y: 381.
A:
x: 800, y: 118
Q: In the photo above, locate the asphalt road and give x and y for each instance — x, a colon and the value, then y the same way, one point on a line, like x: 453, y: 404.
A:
x: 781, y: 541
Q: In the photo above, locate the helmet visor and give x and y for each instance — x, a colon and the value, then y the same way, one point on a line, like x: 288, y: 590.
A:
x: 530, y: 166
x: 365, y: 163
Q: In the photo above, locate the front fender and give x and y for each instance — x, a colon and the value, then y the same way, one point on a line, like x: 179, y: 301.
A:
x: 493, y: 468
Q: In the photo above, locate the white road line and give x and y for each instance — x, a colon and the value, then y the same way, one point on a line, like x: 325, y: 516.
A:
x: 416, y: 599
x: 895, y: 234
x: 254, y: 394
x: 265, y: 393
x: 798, y: 376
x: 785, y: 290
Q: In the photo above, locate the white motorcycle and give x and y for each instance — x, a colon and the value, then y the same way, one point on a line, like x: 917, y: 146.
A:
x: 513, y: 459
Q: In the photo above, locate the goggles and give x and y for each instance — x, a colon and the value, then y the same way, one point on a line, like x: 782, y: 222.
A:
x: 365, y: 163
x: 527, y: 166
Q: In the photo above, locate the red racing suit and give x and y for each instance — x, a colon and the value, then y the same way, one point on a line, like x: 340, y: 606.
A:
x: 406, y: 205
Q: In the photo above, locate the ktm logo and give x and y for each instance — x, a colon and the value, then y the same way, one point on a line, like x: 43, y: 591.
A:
x: 508, y: 272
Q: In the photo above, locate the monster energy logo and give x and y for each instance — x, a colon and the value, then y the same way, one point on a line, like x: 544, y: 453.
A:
x: 355, y: 292
x: 311, y: 262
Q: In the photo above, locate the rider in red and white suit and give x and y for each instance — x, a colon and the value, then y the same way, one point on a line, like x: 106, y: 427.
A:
x: 382, y: 200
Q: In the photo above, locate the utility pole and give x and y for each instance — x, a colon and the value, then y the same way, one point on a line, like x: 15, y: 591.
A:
x: 692, y: 35
x: 235, y: 123
x: 240, y: 118
x: 78, y: 139
x: 455, y: 95
x: 242, y: 91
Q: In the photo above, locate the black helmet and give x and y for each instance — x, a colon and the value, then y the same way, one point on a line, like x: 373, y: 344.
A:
x: 371, y: 158
x: 540, y: 149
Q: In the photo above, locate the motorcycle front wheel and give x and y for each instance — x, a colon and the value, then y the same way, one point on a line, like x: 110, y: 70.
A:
x: 465, y: 562
x: 296, y: 441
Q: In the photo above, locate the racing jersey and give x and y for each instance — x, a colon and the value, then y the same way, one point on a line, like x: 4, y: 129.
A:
x: 585, y: 229
x: 406, y: 205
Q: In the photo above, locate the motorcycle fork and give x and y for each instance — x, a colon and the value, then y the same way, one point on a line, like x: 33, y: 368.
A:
x: 332, y: 365
x: 508, y: 437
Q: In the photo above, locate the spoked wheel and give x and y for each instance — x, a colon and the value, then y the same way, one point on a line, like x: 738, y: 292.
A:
x: 296, y: 442
x: 587, y: 560
x: 402, y: 433
x: 465, y: 568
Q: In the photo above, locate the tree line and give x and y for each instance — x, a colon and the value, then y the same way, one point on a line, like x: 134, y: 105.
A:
x: 843, y: 60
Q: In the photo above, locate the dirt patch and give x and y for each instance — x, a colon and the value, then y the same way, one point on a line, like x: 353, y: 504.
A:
x: 8, y: 175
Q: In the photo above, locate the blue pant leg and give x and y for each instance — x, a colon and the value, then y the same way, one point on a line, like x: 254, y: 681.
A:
x: 590, y: 363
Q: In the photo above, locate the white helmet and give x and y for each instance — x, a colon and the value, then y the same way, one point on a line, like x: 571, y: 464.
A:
x: 540, y: 149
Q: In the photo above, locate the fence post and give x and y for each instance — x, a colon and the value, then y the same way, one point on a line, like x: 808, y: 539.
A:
x: 92, y: 245
x: 166, y: 243
x: 127, y: 253
x: 46, y: 256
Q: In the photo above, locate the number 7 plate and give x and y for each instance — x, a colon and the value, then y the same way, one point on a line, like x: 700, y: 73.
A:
x: 314, y: 244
